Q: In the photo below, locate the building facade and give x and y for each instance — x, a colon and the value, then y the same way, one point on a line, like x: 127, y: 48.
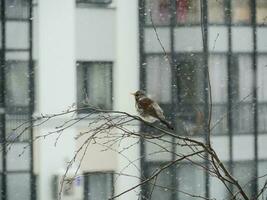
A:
x: 60, y: 54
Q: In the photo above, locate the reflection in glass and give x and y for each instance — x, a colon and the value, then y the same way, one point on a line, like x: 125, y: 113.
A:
x: 187, y: 11
x: 241, y: 12
x: 216, y: 11
x: 160, y: 12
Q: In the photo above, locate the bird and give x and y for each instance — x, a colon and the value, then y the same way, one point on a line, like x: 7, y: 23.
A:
x: 149, y: 110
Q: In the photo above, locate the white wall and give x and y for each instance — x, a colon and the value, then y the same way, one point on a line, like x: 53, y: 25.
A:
x: 95, y: 34
x: 126, y: 80
x: 56, y: 78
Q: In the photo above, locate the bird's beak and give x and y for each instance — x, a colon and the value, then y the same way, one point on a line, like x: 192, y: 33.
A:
x: 132, y: 94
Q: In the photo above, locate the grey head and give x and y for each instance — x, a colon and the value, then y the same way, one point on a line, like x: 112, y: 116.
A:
x: 139, y: 94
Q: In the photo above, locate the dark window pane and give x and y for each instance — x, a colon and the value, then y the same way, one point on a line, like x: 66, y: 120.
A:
x: 241, y: 11
x: 17, y: 9
x: 190, y: 78
x: 94, y: 85
x: 188, y: 11
x: 94, y: 1
x: 190, y: 92
x: 100, y: 186
x: 18, y: 186
x: 17, y: 84
x: 160, y: 11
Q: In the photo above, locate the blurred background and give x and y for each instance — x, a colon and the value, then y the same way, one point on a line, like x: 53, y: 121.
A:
x: 59, y: 54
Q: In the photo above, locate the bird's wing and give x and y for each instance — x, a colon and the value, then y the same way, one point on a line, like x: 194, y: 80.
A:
x: 158, y: 110
x: 145, y: 102
x: 152, y: 107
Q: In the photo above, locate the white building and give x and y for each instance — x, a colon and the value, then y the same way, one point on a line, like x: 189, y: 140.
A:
x: 103, y: 50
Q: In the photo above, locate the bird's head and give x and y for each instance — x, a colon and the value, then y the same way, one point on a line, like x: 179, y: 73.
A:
x: 139, y: 94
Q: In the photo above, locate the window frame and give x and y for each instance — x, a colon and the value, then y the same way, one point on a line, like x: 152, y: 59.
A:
x: 94, y: 2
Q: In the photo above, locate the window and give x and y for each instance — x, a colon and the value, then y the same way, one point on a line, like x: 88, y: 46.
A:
x: 261, y: 12
x: 17, y: 9
x: 241, y: 13
x: 219, y: 91
x: 188, y: 12
x: 160, y: 11
x: 216, y: 11
x: 94, y: 84
x: 158, y: 79
x: 190, y: 181
x: 95, y: 1
x: 244, y: 173
x: 98, y: 185
x: 17, y: 83
x: 163, y: 185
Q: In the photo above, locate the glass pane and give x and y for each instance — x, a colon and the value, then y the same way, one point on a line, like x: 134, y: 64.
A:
x: 261, y: 11
x: 18, y: 158
x: 17, y: 35
x: 99, y: 85
x: 190, y: 180
x: 163, y: 184
x: 18, y: 186
x: 94, y: 85
x: 219, y: 91
x: 262, y: 93
x: 190, y: 92
x: 81, y: 89
x: 241, y: 11
x: 262, y: 172
x: 216, y: 11
x: 100, y: 186
x: 12, y: 122
x: 187, y: 11
x: 17, y: 9
x: 218, y: 78
x: 244, y: 174
x: 242, y: 93
x: 17, y: 84
x: 190, y: 78
x: 158, y: 80
x: 160, y: 11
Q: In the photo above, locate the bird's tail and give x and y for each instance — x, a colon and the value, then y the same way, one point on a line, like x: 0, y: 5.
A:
x: 168, y: 124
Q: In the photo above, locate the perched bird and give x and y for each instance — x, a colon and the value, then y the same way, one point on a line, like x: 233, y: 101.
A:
x: 149, y: 110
